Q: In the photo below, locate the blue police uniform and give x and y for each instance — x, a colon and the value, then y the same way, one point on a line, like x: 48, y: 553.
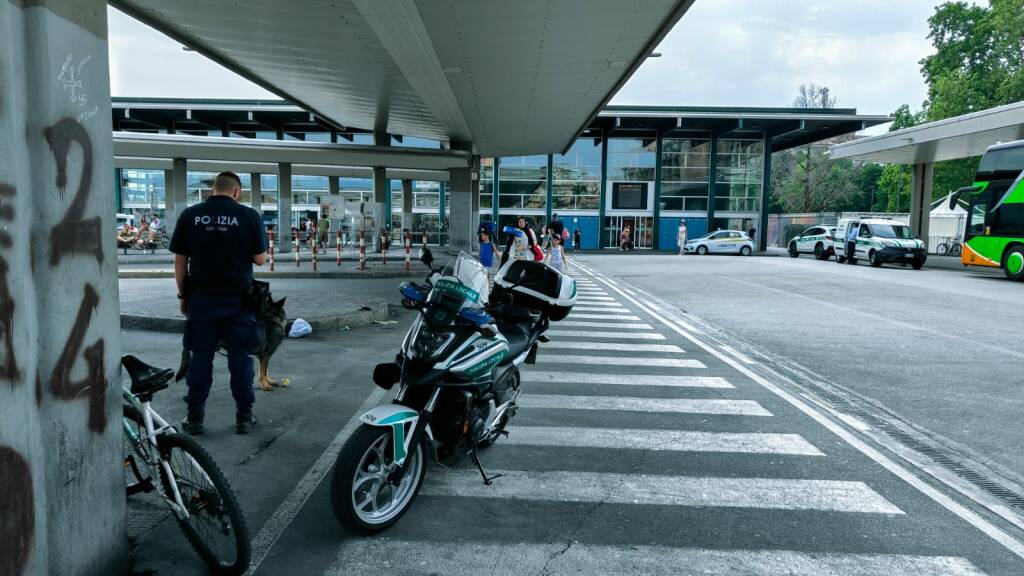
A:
x: 219, y: 237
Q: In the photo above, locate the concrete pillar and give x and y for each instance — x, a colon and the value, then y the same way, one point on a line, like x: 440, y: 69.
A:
x: 284, y: 207
x: 168, y: 201
x: 766, y: 189
x: 118, y: 190
x: 177, y: 194
x: 921, y: 199
x: 256, y: 198
x: 461, y: 227
x: 407, y: 204
x: 62, y: 503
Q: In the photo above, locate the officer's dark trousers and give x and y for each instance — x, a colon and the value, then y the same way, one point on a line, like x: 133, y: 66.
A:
x: 851, y: 251
x: 213, y: 320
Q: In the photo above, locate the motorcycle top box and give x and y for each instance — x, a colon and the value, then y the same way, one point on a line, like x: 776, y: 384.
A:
x: 537, y: 286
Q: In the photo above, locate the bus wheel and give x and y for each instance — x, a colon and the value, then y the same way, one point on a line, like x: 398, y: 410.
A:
x: 1013, y: 263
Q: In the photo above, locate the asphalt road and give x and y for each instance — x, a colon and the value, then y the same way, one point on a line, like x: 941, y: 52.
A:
x: 657, y: 441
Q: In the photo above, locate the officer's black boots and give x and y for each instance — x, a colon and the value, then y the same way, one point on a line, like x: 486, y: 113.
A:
x: 193, y: 423
x: 245, y: 422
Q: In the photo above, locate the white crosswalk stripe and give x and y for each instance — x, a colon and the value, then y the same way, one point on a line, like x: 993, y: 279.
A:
x: 627, y: 379
x: 613, y: 346
x: 594, y: 299
x: 666, y: 440
x: 609, y: 309
x: 604, y: 316
x: 623, y: 326
x: 605, y: 304
x: 366, y: 556
x: 668, y: 405
x: 604, y: 334
x: 765, y: 493
x: 619, y: 361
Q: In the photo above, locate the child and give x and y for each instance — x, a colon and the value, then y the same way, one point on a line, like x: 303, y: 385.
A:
x: 487, y: 252
x: 557, y: 257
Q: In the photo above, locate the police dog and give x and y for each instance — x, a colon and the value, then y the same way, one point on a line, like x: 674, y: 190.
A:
x: 273, y: 326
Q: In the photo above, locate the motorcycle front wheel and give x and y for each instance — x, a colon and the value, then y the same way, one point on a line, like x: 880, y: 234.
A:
x: 363, y: 498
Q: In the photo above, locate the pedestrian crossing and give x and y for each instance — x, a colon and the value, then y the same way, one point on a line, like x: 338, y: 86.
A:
x: 617, y: 414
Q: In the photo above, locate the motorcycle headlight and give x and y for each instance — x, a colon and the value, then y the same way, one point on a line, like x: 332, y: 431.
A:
x: 430, y: 344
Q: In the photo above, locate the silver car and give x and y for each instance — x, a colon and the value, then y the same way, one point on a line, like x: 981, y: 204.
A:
x: 721, y: 242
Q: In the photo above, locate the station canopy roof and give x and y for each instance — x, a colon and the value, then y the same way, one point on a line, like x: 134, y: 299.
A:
x: 787, y: 127
x: 949, y: 139
x: 515, y: 78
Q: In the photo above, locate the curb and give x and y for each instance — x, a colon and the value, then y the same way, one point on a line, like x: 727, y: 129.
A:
x: 297, y: 274
x: 377, y: 312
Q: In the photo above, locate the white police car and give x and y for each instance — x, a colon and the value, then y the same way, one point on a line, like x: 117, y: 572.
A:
x: 721, y: 242
x: 815, y: 240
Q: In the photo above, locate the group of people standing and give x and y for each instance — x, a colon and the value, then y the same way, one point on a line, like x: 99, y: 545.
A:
x: 522, y: 243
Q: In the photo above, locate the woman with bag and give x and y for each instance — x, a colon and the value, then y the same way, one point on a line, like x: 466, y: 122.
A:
x: 521, y: 243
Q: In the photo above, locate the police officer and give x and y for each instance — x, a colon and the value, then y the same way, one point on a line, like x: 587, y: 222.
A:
x: 215, y: 245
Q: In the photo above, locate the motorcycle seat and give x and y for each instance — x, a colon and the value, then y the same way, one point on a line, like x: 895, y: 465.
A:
x: 518, y: 336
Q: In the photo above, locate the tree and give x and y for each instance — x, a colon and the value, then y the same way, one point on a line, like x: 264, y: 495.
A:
x: 814, y: 96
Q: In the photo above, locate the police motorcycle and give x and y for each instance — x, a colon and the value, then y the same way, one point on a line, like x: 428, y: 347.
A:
x: 458, y: 381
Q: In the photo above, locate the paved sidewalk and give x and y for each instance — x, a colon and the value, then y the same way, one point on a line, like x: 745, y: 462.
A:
x: 152, y: 304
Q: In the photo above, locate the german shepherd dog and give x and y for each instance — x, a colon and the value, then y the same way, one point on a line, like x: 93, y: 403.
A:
x: 270, y: 318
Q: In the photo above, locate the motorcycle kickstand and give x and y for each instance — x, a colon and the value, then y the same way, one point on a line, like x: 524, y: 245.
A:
x: 476, y: 461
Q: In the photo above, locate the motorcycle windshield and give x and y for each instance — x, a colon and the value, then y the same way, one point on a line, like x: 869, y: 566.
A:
x: 463, y: 283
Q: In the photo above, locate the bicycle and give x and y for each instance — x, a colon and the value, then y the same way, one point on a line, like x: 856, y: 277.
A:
x: 950, y: 246
x: 190, y: 483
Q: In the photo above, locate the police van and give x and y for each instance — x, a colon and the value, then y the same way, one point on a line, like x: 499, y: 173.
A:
x: 880, y: 241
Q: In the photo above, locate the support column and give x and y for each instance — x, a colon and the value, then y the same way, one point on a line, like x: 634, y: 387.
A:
x: 256, y: 198
x: 333, y: 185
x: 381, y: 187
x: 442, y: 210
x: 168, y: 201
x: 62, y: 500
x: 656, y: 229
x: 604, y: 190
x: 284, y: 208
x: 177, y: 198
x: 118, y: 189
x: 766, y: 189
x: 549, y: 200
x: 712, y: 181
x: 461, y: 227
x: 495, y: 186
x: 407, y: 204
x: 921, y: 199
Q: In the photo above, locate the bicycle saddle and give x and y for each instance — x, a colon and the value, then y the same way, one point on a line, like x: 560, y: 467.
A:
x: 146, y: 379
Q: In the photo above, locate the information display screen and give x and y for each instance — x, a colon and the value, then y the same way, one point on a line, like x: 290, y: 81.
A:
x: 629, y: 196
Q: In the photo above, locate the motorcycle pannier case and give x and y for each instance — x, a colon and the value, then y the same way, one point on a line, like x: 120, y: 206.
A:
x: 537, y: 286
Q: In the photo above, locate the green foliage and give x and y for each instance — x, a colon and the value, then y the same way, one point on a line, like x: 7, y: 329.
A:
x: 894, y: 185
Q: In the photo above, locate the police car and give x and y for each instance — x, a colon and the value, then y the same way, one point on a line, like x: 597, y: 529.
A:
x: 721, y: 242
x: 815, y: 240
x: 881, y: 240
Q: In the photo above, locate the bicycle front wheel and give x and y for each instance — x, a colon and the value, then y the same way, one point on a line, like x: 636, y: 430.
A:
x: 215, y: 526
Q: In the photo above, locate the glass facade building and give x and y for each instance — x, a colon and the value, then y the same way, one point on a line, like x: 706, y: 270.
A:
x: 636, y: 171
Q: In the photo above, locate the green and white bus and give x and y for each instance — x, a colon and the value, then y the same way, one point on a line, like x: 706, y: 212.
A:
x: 995, y: 226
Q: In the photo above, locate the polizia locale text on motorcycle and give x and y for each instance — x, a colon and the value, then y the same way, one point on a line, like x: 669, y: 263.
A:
x: 458, y: 381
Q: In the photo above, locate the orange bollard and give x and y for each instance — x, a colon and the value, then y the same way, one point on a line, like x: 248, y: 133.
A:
x: 298, y: 246
x: 362, y: 250
x: 270, y: 234
x: 408, y: 247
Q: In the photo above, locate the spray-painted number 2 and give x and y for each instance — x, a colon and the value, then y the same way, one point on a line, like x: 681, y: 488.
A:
x: 76, y: 234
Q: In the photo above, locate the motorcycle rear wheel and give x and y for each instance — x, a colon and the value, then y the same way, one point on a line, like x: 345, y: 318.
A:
x: 362, y: 497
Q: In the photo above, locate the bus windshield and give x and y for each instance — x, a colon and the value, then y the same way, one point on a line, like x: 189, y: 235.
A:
x: 892, y: 231
x: 1001, y: 163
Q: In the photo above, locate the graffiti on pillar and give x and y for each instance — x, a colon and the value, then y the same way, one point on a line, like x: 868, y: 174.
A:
x: 8, y: 361
x: 74, y: 233
x: 17, y: 518
x: 72, y: 80
x: 94, y: 385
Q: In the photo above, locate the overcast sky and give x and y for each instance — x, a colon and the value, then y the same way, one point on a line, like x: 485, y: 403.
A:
x: 722, y: 53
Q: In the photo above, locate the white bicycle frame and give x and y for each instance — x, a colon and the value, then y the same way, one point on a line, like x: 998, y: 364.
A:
x: 149, y: 419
